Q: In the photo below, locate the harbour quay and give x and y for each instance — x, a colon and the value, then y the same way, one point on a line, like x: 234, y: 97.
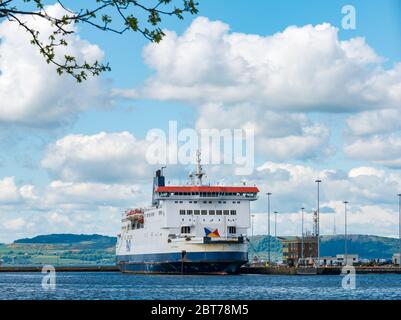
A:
x: 284, y: 270
x: 273, y: 270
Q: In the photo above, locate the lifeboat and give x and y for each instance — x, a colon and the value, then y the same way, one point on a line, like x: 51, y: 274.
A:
x: 135, y: 214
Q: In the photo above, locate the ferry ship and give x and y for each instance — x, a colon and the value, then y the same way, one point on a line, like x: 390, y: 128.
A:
x: 188, y: 229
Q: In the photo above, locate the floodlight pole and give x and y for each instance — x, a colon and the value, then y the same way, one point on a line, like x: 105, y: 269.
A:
x: 345, y: 233
x: 268, y: 226
x: 318, y: 181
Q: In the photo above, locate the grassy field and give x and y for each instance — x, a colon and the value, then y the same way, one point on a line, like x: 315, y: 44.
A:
x: 56, y: 254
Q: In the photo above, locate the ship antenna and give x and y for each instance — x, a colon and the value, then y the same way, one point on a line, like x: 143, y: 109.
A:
x: 199, y: 171
x: 161, y: 169
x: 191, y: 178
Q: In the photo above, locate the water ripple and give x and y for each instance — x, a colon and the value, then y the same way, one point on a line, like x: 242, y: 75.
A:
x: 117, y: 286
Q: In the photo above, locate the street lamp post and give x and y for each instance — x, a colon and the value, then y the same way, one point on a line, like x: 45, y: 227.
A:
x: 268, y: 226
x: 399, y: 226
x: 318, y: 181
x: 345, y: 233
x: 302, y: 237
x: 252, y: 218
x: 275, y: 236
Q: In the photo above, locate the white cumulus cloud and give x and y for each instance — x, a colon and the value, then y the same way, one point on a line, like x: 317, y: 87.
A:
x: 384, y: 150
x: 365, y: 171
x: 278, y: 135
x: 14, y: 224
x: 301, y: 68
x: 60, y: 193
x: 31, y: 92
x: 8, y: 190
x: 375, y: 122
x: 102, y: 157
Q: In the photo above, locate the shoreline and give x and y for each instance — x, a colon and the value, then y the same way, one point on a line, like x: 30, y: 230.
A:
x: 38, y: 268
x: 244, y: 270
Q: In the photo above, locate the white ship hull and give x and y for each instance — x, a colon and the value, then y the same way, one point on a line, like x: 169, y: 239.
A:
x: 189, y: 257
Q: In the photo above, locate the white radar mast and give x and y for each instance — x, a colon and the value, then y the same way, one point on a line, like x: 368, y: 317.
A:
x: 199, y: 171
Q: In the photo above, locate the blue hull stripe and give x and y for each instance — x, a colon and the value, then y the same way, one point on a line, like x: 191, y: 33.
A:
x: 201, y: 257
x: 193, y: 263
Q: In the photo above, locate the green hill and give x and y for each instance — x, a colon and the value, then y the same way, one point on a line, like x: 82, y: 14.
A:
x: 79, y: 249
x: 60, y: 249
x: 367, y: 246
x: 93, y: 240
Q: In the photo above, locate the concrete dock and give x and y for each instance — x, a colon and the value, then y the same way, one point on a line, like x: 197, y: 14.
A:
x: 38, y: 268
x: 290, y: 271
x: 318, y: 271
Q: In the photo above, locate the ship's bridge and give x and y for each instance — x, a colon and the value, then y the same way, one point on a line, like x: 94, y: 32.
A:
x: 206, y: 192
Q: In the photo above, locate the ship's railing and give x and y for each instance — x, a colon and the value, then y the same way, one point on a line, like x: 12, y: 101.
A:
x: 206, y: 240
x: 217, y: 196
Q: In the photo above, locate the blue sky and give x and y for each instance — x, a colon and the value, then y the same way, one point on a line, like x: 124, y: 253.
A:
x: 55, y: 159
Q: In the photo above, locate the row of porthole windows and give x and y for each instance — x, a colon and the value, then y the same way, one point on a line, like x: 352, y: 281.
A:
x: 211, y: 212
x: 206, y: 201
x: 155, y: 234
x: 211, y: 220
x: 152, y: 214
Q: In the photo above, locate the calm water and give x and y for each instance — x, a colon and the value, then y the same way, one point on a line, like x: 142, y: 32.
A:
x: 114, y: 285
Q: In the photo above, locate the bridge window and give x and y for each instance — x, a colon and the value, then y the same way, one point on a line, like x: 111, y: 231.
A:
x: 196, y: 212
x: 226, y: 212
x: 182, y: 212
x: 233, y: 212
x: 204, y: 212
x: 164, y: 194
x: 186, y: 230
x: 219, y: 212
x: 232, y: 230
x: 211, y: 212
x: 189, y: 212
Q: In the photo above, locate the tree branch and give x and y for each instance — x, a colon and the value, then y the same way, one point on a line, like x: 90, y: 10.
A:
x: 102, y: 22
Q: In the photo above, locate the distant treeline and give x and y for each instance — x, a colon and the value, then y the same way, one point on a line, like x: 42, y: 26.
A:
x: 366, y: 246
x: 68, y: 239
